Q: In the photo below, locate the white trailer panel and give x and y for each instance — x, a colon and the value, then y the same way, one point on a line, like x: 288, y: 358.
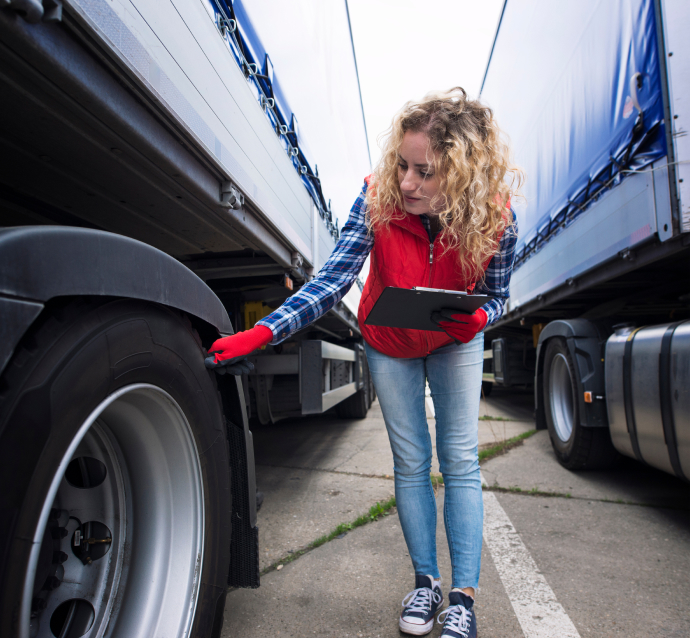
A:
x: 174, y: 49
x: 677, y: 27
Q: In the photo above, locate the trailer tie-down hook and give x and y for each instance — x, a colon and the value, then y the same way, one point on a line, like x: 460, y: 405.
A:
x: 230, y: 197
x: 226, y: 26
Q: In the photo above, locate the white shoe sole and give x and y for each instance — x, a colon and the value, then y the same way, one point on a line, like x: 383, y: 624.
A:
x: 416, y: 630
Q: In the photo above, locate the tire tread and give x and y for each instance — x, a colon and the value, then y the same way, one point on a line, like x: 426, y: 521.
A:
x: 588, y: 448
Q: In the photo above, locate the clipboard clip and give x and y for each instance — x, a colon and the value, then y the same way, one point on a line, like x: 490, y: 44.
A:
x: 450, y: 292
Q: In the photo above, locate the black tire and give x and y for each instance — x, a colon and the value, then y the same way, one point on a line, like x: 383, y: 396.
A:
x: 147, y: 361
x: 487, y: 387
x: 372, y: 390
x: 576, y: 447
x: 357, y: 405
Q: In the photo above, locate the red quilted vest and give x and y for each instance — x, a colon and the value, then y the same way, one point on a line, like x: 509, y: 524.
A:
x: 403, y: 257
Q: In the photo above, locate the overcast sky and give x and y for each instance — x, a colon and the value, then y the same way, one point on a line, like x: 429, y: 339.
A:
x: 406, y: 48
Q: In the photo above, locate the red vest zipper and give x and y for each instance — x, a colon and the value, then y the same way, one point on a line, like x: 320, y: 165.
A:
x: 431, y: 271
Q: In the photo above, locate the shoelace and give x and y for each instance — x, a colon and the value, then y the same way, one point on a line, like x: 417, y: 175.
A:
x: 456, y: 618
x: 420, y: 600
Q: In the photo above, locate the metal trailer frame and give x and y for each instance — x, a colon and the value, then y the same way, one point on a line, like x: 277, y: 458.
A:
x: 197, y: 165
x: 207, y: 95
x: 313, y: 379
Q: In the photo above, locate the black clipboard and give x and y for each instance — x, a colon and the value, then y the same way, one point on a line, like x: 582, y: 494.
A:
x: 411, y: 308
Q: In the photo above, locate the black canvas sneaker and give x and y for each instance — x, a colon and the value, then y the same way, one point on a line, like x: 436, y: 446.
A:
x: 420, y: 606
x: 458, y: 618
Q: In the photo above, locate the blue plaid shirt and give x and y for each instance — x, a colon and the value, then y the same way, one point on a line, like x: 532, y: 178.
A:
x: 338, y: 274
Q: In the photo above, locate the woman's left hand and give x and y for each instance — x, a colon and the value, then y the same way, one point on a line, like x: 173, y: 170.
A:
x: 464, y: 327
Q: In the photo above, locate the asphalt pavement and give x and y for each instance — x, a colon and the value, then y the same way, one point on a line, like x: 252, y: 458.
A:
x: 565, y: 554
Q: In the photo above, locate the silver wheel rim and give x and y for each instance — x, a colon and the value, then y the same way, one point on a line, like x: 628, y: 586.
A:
x: 151, y: 501
x: 561, y: 397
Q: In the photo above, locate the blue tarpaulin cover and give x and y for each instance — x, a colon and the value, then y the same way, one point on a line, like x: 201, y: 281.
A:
x: 562, y: 82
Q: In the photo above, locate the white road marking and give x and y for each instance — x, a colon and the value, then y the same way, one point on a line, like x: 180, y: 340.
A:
x: 429, y: 401
x: 538, y: 611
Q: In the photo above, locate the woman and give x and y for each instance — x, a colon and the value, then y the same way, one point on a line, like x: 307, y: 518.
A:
x: 435, y: 213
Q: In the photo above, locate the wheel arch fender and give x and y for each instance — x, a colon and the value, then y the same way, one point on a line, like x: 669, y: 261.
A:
x: 586, y: 341
x: 39, y: 263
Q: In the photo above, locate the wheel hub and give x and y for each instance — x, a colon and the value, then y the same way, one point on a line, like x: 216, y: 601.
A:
x: 561, y: 397
x: 122, y: 543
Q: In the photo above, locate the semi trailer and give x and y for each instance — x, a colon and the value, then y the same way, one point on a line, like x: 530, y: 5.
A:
x: 159, y: 189
x: 595, y: 98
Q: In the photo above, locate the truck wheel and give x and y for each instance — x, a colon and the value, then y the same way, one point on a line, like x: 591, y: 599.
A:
x: 372, y: 389
x: 116, y: 478
x: 576, y: 447
x: 357, y: 405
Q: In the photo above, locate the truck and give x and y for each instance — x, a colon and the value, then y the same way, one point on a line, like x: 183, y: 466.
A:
x: 157, y: 192
x: 595, y: 99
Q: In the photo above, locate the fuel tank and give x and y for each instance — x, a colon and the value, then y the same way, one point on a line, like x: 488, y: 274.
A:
x: 648, y: 394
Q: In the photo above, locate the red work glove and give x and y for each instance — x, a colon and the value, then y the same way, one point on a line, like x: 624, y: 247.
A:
x: 465, y: 327
x: 241, y: 344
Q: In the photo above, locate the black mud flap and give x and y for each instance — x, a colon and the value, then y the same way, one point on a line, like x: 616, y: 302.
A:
x: 244, y: 547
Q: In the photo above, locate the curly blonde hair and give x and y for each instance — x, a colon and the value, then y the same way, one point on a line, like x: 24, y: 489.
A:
x: 477, y: 178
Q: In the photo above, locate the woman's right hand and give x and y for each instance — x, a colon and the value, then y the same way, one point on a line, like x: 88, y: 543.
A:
x: 238, y: 345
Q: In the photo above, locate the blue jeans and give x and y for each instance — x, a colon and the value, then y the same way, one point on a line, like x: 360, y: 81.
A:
x: 455, y: 379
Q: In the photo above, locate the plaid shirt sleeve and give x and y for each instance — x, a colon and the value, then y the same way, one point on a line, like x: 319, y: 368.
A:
x: 332, y: 282
x: 497, y: 278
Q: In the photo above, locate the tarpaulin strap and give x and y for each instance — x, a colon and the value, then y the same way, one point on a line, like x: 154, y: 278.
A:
x: 628, y: 395
x: 666, y: 398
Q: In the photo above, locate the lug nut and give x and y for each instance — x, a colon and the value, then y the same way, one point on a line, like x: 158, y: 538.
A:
x: 58, y: 532
x: 52, y: 582
x: 38, y: 604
